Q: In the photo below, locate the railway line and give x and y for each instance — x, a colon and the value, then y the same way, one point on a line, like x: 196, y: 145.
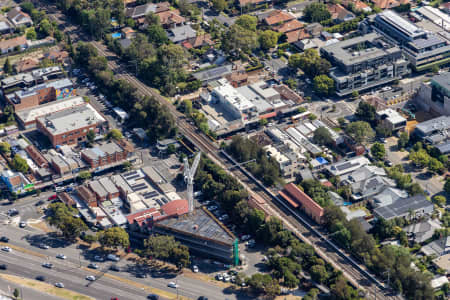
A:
x: 293, y: 220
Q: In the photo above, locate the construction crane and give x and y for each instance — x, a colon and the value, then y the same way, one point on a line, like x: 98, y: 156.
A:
x: 189, y: 173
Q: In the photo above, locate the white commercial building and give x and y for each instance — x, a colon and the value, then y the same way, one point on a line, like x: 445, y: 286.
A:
x: 236, y: 103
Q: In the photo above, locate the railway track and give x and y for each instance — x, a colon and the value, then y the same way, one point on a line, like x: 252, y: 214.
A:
x: 361, y: 279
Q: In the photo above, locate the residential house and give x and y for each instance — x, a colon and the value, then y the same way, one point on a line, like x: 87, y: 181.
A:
x: 412, y: 207
x: 15, y: 44
x: 5, y: 27
x: 388, y: 196
x: 182, y: 33
x: 19, y: 18
x: 128, y: 33
x: 278, y: 17
x: 386, y: 4
x: 198, y: 41
x: 438, y: 248
x: 248, y: 3
x: 288, y: 26
x: 339, y: 14
x: 358, y: 5
x: 297, y: 35
x: 26, y: 65
x: 58, y: 56
x: 420, y: 232
x: 142, y: 10
x: 314, y: 29
x: 170, y: 18
x: 67, y: 199
x: 346, y: 166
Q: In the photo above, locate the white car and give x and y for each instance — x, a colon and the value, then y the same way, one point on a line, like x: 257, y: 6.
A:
x: 99, y: 258
x: 386, y: 88
x: 195, y: 269
x: 219, y: 277
x: 44, y: 246
x: 61, y: 256
x: 6, y: 249
x: 173, y: 285
x: 113, y: 257
x: 90, y: 278
x: 59, y: 285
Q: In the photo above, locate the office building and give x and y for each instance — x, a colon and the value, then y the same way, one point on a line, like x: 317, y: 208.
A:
x: 434, y: 95
x: 364, y: 63
x: 233, y: 101
x: 423, y: 49
x: 104, y: 155
x: 70, y: 126
x: 391, y: 119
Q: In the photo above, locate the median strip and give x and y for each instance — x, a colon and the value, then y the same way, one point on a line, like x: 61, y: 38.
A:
x: 45, y: 287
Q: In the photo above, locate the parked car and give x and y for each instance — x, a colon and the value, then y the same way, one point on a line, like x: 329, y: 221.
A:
x: 202, y: 298
x: 219, y: 277
x: 61, y: 256
x: 153, y: 297
x: 40, y: 278
x: 90, y: 278
x: 213, y: 207
x: 195, y: 269
x: 99, y: 258
x: 52, y: 197
x: 246, y: 237
x: 44, y: 246
x: 3, y: 267
x: 59, y: 285
x: 172, y: 285
x: 4, y: 239
x: 22, y: 224
x: 114, y: 268
x: 13, y: 212
x: 39, y: 203
x: 6, y: 249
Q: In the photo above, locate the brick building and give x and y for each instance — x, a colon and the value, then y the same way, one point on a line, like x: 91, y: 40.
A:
x: 104, y: 155
x: 40, y: 94
x: 298, y: 199
x: 87, y: 196
x: 71, y: 126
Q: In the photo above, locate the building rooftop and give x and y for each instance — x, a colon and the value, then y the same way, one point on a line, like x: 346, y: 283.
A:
x: 359, y: 49
x: 108, y: 185
x: 433, y: 125
x: 236, y: 99
x: 391, y: 115
x: 97, y: 188
x: 201, y: 224
x: 400, y: 24
x: 71, y: 119
x: 403, y: 206
x: 181, y: 33
x: 443, y: 80
x: 347, y: 166
x: 214, y: 73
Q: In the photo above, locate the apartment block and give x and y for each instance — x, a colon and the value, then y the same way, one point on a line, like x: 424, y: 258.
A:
x: 104, y: 155
x: 364, y: 63
x: 423, y: 49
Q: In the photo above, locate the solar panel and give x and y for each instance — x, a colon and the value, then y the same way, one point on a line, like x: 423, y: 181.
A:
x: 159, y: 202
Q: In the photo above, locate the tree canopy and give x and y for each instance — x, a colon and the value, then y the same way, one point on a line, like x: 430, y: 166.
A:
x: 114, y: 237
x: 360, y: 131
x: 248, y: 22
x: 310, y: 62
x: 322, y: 136
x: 378, y: 151
x: 316, y: 12
x: 268, y: 39
x: 323, y: 85
x: 62, y: 217
x: 19, y: 164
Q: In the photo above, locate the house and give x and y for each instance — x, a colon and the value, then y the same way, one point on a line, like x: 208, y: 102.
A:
x: 18, y: 18
x: 412, y: 207
x: 386, y: 4
x: 6, y: 27
x: 420, y: 232
x: 438, y: 248
x: 314, y: 29
x: 304, y: 44
x: 347, y: 166
x: 170, y: 18
x: 358, y: 5
x: 391, y: 119
x: 15, y: 44
x: 297, y: 35
x: 388, y: 196
x: 198, y: 41
x: 26, y: 65
x: 67, y: 199
x: 128, y: 33
x: 182, y: 33
x: 277, y: 17
x: 58, y: 56
x: 339, y: 13
x: 142, y: 10
x: 289, y: 26
x: 298, y: 199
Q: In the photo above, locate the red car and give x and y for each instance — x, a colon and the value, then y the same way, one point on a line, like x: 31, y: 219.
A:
x: 52, y: 197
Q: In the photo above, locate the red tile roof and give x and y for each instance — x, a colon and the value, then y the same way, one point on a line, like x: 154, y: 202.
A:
x: 277, y: 17
x: 170, y: 17
x: 297, y: 35
x: 288, y: 199
x: 289, y: 26
x: 175, y: 207
x: 383, y: 4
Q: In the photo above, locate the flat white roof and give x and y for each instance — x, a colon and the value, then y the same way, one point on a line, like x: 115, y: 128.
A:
x: 236, y: 99
x: 392, y: 115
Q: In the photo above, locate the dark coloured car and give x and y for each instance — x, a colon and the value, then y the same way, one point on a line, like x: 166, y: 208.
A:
x: 114, y: 268
x: 153, y: 297
x: 3, y: 267
x: 202, y: 298
x: 40, y: 278
x: 4, y: 239
x: 40, y: 202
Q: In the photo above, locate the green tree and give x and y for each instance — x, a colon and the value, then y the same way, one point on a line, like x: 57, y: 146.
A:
x: 263, y: 122
x: 322, y: 136
x: 5, y: 148
x: 355, y: 94
x: 366, y: 112
x: 31, y: 34
x: 310, y: 62
x: 166, y: 248
x: 435, y: 69
x: 248, y: 22
x: 45, y: 28
x: 62, y: 217
x: 114, y: 237
x: 115, y: 134
x: 378, y: 151
x: 219, y: 5
x: 419, y: 158
x: 440, y: 200
x: 84, y: 175
x: 239, y: 38
x: 447, y: 187
x: 318, y: 273
x: 323, y: 85
x: 90, y: 136
x: 360, y: 131
x: 16, y: 293
x: 435, y: 166
x: 156, y: 35
x: 7, y: 67
x: 403, y: 140
x: 19, y: 164
x: 316, y: 12
x: 268, y: 39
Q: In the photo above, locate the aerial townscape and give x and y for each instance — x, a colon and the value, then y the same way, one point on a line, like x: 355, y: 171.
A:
x: 224, y: 149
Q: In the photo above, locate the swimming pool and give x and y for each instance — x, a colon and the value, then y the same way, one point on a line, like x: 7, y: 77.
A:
x: 116, y: 35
